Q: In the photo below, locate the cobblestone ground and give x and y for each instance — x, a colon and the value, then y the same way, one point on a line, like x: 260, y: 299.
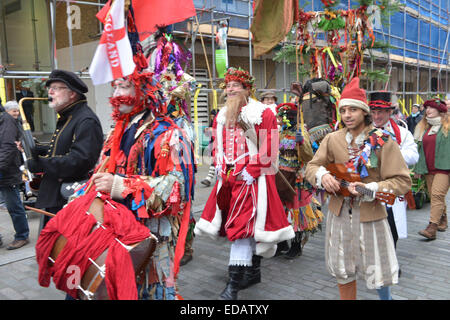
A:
x: 425, y: 266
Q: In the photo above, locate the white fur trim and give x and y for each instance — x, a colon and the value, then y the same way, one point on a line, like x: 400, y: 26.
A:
x: 266, y: 250
x: 252, y: 112
x: 221, y: 119
x: 206, y: 228
x: 354, y: 103
x: 319, y: 174
x: 359, y: 140
x: 273, y: 108
x: 261, y: 207
x: 247, y: 177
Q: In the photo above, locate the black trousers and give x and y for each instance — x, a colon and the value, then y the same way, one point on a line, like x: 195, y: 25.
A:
x: 391, y: 222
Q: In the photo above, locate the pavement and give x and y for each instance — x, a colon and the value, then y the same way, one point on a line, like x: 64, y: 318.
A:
x: 425, y: 266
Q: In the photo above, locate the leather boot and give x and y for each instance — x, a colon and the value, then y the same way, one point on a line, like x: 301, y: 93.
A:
x: 252, y: 275
x: 442, y: 226
x: 430, y: 231
x: 235, y: 274
x: 347, y: 291
x: 282, y: 248
x: 296, y: 247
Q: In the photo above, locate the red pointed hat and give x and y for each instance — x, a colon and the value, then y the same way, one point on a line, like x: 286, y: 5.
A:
x: 354, y: 96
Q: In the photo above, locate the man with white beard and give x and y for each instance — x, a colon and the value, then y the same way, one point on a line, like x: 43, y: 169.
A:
x: 75, y: 145
x: 244, y: 205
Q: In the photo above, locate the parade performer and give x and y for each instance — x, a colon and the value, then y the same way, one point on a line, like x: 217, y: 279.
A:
x: 151, y: 171
x: 381, y: 110
x: 302, y: 209
x: 244, y: 205
x: 434, y: 148
x: 358, y: 239
x: 165, y: 57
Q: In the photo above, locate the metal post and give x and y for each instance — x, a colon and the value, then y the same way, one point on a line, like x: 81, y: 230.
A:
x: 404, y: 61
x: 213, y: 49
x: 53, y: 42
x: 418, y: 56
x: 33, y: 28
x: 69, y: 32
x: 250, y: 36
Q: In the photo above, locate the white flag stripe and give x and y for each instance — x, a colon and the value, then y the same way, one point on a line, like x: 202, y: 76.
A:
x: 101, y: 65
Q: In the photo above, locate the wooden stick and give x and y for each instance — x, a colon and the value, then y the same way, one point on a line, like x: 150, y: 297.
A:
x: 40, y: 211
x: 204, y: 52
x: 102, y: 167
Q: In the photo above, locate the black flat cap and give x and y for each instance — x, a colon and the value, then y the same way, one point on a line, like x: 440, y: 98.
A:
x: 69, y: 78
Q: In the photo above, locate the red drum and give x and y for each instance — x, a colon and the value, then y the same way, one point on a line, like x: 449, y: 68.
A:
x: 92, y: 285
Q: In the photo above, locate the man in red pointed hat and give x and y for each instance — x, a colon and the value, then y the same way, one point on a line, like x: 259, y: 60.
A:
x: 151, y: 171
x: 358, y: 238
x: 244, y: 205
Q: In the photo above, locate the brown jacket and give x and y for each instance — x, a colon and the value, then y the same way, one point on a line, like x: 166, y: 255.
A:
x: 391, y: 174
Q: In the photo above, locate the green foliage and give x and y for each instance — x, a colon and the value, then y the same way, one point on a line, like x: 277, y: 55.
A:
x: 376, y: 75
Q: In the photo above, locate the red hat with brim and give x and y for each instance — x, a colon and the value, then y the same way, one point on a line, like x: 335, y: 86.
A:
x: 437, y: 104
x: 354, y: 96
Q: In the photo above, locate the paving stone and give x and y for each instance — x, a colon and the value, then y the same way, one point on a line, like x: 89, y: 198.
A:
x: 424, y: 265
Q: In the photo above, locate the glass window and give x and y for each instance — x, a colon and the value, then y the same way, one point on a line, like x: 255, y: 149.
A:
x: 25, y: 35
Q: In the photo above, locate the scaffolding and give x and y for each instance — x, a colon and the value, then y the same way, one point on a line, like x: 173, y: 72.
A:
x: 420, y: 34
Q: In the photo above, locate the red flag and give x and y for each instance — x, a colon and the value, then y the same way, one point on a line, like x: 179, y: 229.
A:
x: 101, y: 15
x: 149, y: 14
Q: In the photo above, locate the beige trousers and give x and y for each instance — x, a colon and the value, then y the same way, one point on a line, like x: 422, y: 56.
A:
x: 437, y: 185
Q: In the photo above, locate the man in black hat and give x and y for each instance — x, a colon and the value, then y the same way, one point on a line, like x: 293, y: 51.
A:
x: 381, y: 110
x: 75, y: 145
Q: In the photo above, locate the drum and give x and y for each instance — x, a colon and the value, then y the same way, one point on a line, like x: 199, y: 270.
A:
x: 92, y: 285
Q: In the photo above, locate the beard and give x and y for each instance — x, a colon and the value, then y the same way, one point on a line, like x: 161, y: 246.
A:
x: 123, y: 105
x: 234, y: 105
x: 58, y: 104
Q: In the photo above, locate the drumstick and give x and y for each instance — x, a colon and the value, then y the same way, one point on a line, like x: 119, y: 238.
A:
x: 40, y: 211
x: 101, y: 169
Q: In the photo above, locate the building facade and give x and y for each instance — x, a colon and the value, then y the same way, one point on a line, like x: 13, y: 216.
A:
x: 37, y: 36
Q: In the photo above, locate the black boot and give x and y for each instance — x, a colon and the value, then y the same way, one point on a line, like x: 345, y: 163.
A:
x: 282, y: 248
x: 296, y: 247
x: 235, y: 274
x: 252, y: 275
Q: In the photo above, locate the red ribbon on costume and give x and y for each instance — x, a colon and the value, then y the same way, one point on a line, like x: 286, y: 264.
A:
x: 136, y: 186
x: 117, y: 136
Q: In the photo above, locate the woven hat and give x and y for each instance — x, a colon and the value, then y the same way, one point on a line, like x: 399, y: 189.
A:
x: 380, y: 100
x: 354, y: 96
x: 437, y: 104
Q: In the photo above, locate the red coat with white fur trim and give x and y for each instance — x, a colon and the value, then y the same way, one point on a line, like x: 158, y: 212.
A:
x: 255, y: 208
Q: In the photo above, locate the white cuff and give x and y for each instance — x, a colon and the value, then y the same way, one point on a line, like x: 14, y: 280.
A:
x: 247, y: 177
x: 319, y: 174
x: 373, y: 186
x: 117, y: 188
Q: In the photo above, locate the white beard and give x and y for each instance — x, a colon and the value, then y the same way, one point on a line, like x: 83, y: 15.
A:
x: 59, y: 105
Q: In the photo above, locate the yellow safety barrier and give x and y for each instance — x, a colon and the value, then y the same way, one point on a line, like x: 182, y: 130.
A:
x: 3, y: 90
x: 196, y: 149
